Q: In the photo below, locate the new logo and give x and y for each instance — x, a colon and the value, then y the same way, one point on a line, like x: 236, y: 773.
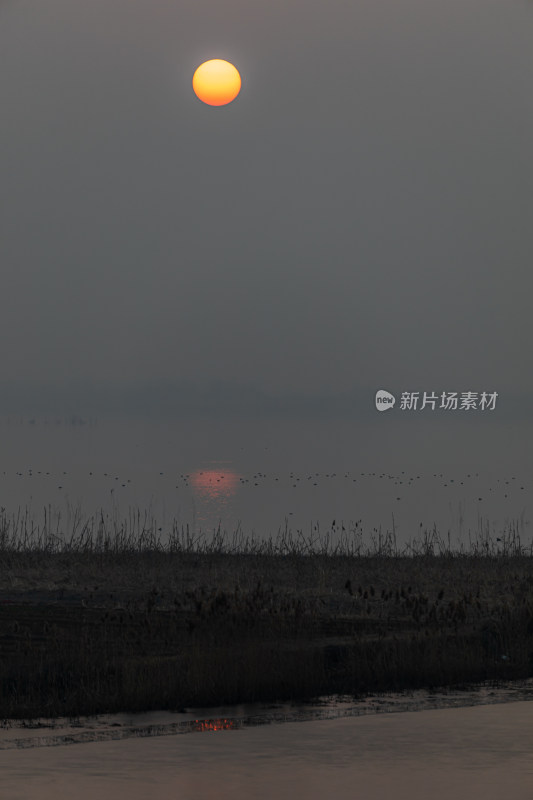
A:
x: 384, y: 400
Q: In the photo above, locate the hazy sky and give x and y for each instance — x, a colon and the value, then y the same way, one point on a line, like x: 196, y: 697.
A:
x: 359, y: 218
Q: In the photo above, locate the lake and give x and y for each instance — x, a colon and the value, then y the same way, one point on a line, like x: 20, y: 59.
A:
x: 462, y: 752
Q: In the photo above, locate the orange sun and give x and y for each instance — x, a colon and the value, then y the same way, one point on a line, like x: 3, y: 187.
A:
x: 216, y: 82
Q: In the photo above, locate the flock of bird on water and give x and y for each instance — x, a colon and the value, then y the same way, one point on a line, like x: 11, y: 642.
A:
x: 259, y: 477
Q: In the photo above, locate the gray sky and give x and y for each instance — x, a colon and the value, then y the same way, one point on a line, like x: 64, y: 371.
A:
x: 359, y: 218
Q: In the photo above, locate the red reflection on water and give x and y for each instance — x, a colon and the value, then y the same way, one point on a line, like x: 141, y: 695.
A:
x: 215, y: 483
x: 213, y: 724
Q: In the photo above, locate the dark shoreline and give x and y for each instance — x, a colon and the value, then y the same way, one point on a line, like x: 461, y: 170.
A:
x: 92, y: 633
x: 43, y: 732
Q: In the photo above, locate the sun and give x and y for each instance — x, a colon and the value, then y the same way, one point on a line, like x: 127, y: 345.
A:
x: 216, y: 82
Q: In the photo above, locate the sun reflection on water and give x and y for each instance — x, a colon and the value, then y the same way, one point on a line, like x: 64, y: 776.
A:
x: 214, y: 724
x: 215, y: 487
x: 214, y: 484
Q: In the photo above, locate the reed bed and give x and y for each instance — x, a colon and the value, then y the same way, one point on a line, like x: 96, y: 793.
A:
x: 139, y: 532
x: 102, y: 615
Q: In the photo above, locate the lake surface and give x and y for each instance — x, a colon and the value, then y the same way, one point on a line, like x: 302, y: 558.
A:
x: 263, y: 477
x: 466, y: 752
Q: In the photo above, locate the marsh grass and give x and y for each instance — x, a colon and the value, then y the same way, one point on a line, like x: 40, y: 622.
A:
x: 105, y: 615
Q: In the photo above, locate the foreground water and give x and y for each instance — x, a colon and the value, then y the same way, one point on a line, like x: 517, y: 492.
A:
x: 460, y: 752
